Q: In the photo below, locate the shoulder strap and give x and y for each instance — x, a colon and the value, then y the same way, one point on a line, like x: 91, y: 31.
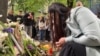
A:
x: 76, y: 15
x: 77, y: 22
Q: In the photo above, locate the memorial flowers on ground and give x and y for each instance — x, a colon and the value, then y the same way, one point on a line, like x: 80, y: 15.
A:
x: 15, y: 41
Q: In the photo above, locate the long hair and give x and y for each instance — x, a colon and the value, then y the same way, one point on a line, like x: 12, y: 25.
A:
x: 58, y: 15
x: 42, y: 19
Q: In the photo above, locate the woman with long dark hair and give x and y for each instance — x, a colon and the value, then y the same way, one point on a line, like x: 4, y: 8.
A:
x: 58, y: 15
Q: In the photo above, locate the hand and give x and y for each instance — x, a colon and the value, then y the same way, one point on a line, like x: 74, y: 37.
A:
x: 60, y: 42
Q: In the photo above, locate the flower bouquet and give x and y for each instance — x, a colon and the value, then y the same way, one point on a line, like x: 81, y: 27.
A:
x: 6, y: 44
x: 31, y: 46
x: 15, y: 41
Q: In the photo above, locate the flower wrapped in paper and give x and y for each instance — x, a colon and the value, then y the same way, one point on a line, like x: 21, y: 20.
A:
x: 14, y: 41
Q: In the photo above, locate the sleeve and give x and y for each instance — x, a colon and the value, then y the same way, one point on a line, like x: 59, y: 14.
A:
x: 68, y: 39
x: 21, y: 21
x: 90, y: 28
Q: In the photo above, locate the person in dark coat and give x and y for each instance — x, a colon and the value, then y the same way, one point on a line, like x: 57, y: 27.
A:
x: 33, y: 26
x: 19, y: 17
x: 28, y: 23
x: 11, y: 16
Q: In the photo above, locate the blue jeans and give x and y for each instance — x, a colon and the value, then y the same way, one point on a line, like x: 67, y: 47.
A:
x: 42, y: 35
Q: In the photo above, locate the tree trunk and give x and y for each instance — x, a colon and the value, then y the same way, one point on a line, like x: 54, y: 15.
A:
x: 3, y: 10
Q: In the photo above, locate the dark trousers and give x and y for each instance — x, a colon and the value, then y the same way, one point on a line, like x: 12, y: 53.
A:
x: 33, y: 32
x: 73, y: 49
x: 47, y: 35
x: 42, y: 35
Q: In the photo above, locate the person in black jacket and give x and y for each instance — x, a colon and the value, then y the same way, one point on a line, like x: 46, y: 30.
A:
x: 10, y: 16
x: 19, y: 17
x: 33, y: 26
x: 28, y: 23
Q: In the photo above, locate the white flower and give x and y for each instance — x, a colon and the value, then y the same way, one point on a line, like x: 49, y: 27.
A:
x: 1, y: 27
x: 36, y: 42
x: 3, y: 36
x: 21, y: 27
x: 5, y: 24
x: 13, y: 24
x: 8, y: 20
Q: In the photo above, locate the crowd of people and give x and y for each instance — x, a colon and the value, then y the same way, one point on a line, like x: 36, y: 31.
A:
x: 36, y: 28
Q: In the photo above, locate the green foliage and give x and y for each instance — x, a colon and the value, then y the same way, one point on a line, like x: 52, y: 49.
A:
x: 30, y: 48
x: 35, y: 5
x: 9, y: 43
x: 30, y: 5
x: 40, y: 5
x: 7, y: 49
x: 86, y: 3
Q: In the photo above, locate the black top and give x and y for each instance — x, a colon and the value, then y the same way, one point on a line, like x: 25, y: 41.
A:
x: 11, y: 17
x: 28, y: 21
x: 19, y: 18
